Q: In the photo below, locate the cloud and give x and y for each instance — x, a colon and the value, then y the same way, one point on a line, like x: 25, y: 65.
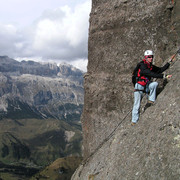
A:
x: 58, y: 34
x: 80, y: 64
x: 63, y: 33
x: 8, y: 36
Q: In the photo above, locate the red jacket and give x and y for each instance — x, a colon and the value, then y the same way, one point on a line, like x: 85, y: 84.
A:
x: 147, y: 71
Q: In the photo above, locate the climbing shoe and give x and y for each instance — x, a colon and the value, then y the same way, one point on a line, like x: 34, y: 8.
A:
x: 133, y: 124
x: 149, y: 103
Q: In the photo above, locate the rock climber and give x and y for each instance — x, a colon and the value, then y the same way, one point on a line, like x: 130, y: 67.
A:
x: 144, y: 82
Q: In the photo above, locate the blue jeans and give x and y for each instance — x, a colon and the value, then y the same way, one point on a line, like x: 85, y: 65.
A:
x: 151, y: 89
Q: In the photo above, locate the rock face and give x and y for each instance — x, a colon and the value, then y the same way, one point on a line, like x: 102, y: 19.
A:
x: 120, y: 32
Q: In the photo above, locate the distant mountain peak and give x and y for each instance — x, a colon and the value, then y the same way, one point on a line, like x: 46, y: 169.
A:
x: 8, y: 65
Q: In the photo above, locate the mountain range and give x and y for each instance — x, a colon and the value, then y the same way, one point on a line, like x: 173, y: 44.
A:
x: 40, y: 109
x: 47, y: 89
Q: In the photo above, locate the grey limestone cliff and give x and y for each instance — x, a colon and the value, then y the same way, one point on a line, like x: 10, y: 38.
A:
x: 50, y: 90
x: 120, y: 32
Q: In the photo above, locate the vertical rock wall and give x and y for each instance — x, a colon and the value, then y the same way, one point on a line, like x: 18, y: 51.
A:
x: 120, y: 31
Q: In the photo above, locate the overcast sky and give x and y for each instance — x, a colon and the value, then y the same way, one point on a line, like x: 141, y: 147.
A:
x: 45, y: 30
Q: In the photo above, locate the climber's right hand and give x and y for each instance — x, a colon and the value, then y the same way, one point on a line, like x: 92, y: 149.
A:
x: 168, y: 76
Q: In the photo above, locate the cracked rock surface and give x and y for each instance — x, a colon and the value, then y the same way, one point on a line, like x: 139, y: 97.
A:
x: 119, y: 33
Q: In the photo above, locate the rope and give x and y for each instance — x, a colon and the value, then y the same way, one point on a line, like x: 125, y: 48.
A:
x: 105, y: 140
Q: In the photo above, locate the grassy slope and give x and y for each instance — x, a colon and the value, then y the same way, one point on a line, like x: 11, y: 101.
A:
x: 41, y: 136
x: 62, y: 168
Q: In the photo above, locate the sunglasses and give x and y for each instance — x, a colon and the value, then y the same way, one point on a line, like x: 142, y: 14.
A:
x: 150, y: 57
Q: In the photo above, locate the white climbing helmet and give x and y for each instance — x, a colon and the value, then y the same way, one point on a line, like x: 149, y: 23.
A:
x: 148, y: 53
